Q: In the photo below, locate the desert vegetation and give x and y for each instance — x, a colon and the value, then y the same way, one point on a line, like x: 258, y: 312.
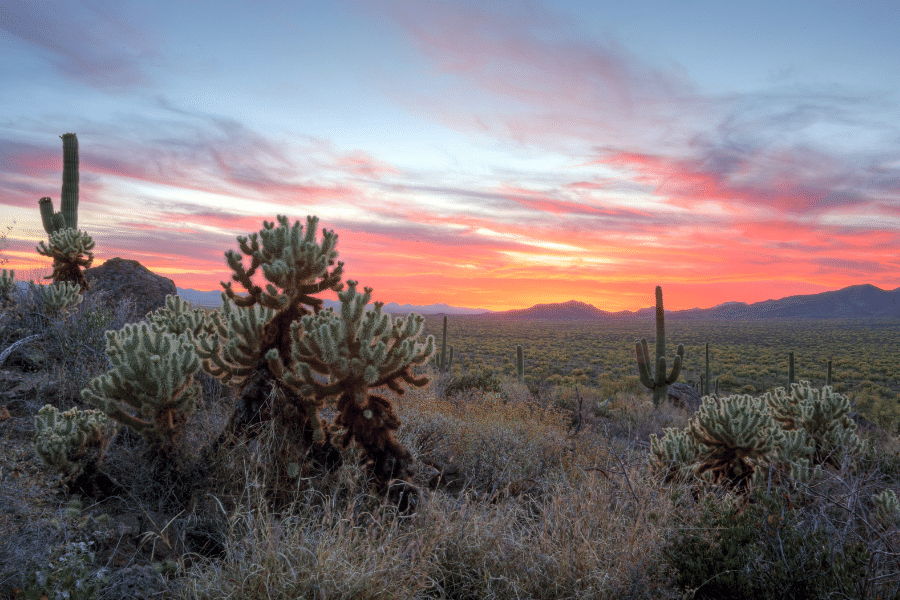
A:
x: 530, y: 490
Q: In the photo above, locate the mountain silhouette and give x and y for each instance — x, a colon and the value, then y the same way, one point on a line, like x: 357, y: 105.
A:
x: 854, y: 302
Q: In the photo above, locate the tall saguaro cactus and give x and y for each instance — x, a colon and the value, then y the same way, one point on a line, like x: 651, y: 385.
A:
x: 790, y: 368
x: 705, y: 386
x: 520, y: 364
x: 658, y: 382
x: 67, y: 244
x: 444, y: 364
x: 67, y: 218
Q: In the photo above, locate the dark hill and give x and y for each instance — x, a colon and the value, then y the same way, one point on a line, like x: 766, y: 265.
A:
x: 854, y: 302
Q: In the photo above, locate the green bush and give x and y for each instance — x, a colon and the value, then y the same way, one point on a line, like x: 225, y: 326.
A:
x: 765, y: 550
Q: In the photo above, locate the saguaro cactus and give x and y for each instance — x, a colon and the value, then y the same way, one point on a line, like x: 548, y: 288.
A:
x: 67, y: 218
x: 705, y: 391
x: 67, y: 244
x: 790, y: 369
x: 658, y: 382
x: 443, y: 363
x: 520, y: 364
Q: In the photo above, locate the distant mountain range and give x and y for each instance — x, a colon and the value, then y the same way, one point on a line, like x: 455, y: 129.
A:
x: 854, y: 302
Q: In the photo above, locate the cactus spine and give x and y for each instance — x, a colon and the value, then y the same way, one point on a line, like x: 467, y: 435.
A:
x: 520, y: 364
x: 67, y: 244
x: 658, y: 382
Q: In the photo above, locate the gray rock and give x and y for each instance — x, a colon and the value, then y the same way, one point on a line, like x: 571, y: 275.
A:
x: 121, y: 278
x: 684, y: 396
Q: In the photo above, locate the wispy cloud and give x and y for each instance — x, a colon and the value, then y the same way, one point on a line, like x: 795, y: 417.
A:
x: 90, y: 42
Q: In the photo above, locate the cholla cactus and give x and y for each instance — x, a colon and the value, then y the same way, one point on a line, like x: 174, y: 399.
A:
x: 734, y: 435
x: 152, y: 374
x: 61, y: 298
x: 741, y: 440
x: 887, y: 507
x: 282, y: 356
x: 359, y: 351
x: 177, y: 317
x: 674, y: 454
x: 71, y: 441
x: 67, y: 248
x: 7, y: 288
x: 822, y: 414
x: 270, y: 344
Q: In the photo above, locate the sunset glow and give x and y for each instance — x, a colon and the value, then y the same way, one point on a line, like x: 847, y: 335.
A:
x: 494, y: 155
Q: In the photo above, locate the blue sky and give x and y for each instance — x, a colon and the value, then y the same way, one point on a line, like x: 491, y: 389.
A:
x: 492, y: 155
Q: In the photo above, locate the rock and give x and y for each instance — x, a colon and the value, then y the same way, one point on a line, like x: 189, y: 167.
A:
x: 122, y: 278
x: 684, y: 396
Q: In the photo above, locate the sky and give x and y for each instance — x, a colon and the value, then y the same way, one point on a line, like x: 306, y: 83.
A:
x: 482, y: 154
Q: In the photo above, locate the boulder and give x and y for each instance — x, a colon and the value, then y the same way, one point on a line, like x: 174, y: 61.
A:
x: 122, y: 278
x: 684, y: 396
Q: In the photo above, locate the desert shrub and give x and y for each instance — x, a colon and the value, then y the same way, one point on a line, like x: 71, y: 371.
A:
x: 766, y: 550
x: 473, y: 380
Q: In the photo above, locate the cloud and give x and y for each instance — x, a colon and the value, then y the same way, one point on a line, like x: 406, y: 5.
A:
x: 91, y: 42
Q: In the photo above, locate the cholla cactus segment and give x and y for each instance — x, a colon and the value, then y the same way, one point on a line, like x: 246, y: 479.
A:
x: 734, y: 435
x: 69, y: 243
x: 356, y: 348
x: 785, y: 408
x: 887, y: 507
x: 152, y: 376
x: 242, y: 331
x: 68, y: 441
x: 61, y: 298
x: 7, y: 288
x: 291, y: 260
x: 177, y: 317
x: 674, y: 454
